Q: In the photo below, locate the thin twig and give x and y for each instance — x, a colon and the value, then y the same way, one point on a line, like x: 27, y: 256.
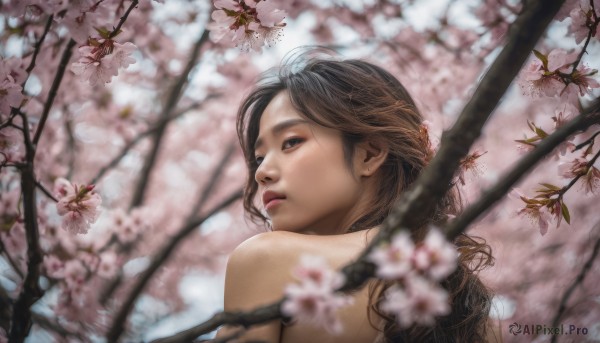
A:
x: 587, y: 118
x: 587, y: 141
x: 116, y: 30
x: 173, y: 98
x: 591, y: 31
x: 578, y: 280
x: 45, y: 191
x: 117, y: 327
x: 417, y: 203
x: 60, y: 72
x: 589, y: 164
x: 37, y: 48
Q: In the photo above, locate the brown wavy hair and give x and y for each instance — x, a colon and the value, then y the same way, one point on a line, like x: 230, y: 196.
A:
x: 362, y: 101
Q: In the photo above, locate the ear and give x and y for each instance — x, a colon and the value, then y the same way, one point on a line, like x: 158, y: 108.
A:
x: 369, y: 155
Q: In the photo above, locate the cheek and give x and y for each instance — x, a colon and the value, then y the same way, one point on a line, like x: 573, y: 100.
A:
x: 322, y: 174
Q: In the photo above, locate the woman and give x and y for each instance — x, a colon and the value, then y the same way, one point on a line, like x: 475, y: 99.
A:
x: 330, y: 147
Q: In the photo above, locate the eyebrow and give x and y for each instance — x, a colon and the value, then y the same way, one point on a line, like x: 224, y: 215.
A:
x: 279, y: 127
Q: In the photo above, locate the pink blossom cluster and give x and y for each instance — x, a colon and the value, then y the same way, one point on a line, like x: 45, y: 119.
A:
x: 79, y: 273
x: 416, y: 297
x: 78, y: 205
x: 583, y: 18
x: 314, y: 301
x: 128, y: 227
x: 580, y: 167
x: 247, y: 24
x: 12, y: 75
x: 552, y: 75
x: 101, y: 60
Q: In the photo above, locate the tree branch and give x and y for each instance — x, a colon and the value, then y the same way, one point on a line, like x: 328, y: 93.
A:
x: 174, y: 95
x: 38, y: 46
x: 60, y: 72
x: 587, y: 118
x: 117, y: 29
x: 260, y: 315
x: 163, y: 255
x: 31, y: 291
x: 45, y: 191
x: 578, y: 280
x: 417, y: 203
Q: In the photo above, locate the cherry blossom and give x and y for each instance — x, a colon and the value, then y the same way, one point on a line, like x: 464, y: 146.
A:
x: 314, y: 300
x: 10, y: 95
x: 394, y: 260
x: 419, y: 303
x: 78, y: 205
x: 101, y: 62
x: 247, y: 24
x: 435, y: 255
x: 582, y: 17
x: 551, y: 75
x: 470, y: 164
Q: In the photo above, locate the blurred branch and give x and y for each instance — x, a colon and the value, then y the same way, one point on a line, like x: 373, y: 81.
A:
x: 578, y: 281
x: 588, y: 117
x: 31, y: 291
x: 173, y: 98
x: 259, y: 315
x: 163, y: 255
x: 417, y: 203
x: 38, y: 46
x: 60, y: 72
x: 162, y: 122
x: 212, y: 181
x: 56, y: 327
x: 117, y: 29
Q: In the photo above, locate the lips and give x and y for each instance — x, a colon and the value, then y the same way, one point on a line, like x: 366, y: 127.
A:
x: 271, y: 198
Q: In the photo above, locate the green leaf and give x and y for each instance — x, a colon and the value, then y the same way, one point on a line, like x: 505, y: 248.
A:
x: 550, y: 186
x: 104, y: 33
x: 542, y: 58
x: 565, y: 213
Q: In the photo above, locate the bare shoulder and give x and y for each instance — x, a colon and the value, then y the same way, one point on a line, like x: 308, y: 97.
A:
x: 283, y: 248
x: 261, y: 267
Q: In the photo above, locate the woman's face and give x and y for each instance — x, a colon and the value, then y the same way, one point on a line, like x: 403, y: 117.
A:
x: 304, y: 183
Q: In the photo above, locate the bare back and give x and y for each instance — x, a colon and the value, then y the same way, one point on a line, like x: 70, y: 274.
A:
x: 260, y: 268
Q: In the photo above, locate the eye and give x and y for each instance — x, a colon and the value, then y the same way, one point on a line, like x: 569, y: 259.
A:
x: 258, y: 160
x: 290, y: 143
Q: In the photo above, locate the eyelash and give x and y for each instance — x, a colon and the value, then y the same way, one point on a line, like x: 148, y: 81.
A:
x: 284, y: 146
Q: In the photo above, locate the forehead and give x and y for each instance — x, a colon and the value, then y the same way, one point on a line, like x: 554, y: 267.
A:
x: 279, y: 110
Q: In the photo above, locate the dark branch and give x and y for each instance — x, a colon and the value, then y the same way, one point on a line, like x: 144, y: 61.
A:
x: 31, y: 291
x: 60, y: 72
x: 246, y: 319
x: 173, y: 98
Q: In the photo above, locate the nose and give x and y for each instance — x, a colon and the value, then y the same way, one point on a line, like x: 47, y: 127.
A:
x: 267, y: 171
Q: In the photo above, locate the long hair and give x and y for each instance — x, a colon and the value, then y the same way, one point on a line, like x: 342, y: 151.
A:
x: 362, y: 101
